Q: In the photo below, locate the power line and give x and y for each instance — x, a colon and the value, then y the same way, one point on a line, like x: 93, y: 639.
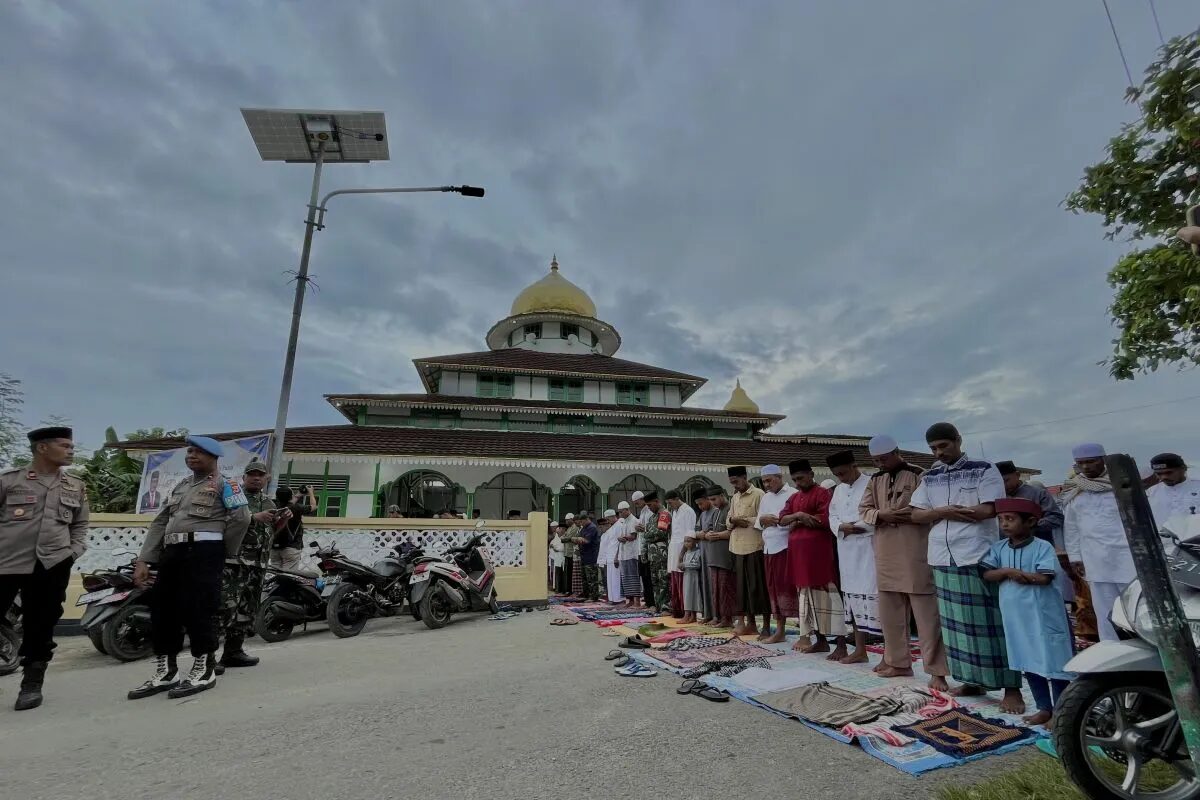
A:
x: 1117, y: 39
x: 1157, y: 25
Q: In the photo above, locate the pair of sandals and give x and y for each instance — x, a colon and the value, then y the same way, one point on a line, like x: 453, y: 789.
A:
x: 562, y: 621
x: 634, y: 669
x: 701, y: 689
x: 634, y: 642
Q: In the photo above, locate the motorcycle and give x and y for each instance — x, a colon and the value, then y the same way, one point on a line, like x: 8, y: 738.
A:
x: 117, y: 619
x: 1116, y: 728
x: 461, y: 581
x: 291, y: 598
x: 354, y: 592
x: 10, y: 638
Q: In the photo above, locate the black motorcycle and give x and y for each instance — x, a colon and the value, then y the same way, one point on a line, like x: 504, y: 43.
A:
x: 355, y: 592
x: 10, y: 638
x: 117, y: 619
x: 290, y: 599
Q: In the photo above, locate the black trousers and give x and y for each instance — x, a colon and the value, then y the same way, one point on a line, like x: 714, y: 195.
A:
x: 568, y: 574
x: 647, y: 581
x: 187, y: 597
x: 42, y: 594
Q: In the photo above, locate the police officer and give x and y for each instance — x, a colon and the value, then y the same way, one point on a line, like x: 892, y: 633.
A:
x: 43, y: 531
x: 189, y: 540
x: 242, y: 582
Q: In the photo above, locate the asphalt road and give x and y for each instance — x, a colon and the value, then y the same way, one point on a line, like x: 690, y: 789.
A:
x: 515, y: 709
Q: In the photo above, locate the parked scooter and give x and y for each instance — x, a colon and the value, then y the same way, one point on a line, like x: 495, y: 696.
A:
x: 117, y: 619
x: 463, y: 580
x: 10, y: 638
x: 1115, y: 727
x: 291, y: 599
x: 355, y: 593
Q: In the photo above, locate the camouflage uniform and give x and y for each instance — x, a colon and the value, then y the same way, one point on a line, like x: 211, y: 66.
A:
x: 242, y: 579
x: 655, y: 543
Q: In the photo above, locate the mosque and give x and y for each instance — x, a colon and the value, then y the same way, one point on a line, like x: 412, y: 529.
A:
x: 547, y: 418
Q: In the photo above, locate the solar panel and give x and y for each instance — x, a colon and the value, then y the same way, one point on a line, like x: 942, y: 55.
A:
x: 289, y: 134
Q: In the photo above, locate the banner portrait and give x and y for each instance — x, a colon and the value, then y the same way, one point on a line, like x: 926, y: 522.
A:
x: 165, y: 469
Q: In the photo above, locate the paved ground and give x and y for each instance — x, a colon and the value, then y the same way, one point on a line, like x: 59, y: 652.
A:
x: 516, y: 709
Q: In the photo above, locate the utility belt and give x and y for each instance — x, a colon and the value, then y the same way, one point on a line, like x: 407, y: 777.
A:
x: 187, y: 537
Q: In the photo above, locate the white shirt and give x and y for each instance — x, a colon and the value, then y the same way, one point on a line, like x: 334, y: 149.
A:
x: 775, y: 537
x: 963, y: 483
x: 1094, y: 534
x: 1171, y: 501
x: 683, y: 525
x: 556, y: 552
x: 608, y: 546
x: 628, y: 551
x: 856, y: 552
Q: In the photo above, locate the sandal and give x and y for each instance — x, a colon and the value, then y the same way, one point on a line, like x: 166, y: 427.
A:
x: 689, y: 686
x: 636, y: 670
x: 613, y: 655
x: 622, y: 661
x: 633, y: 643
x: 711, y: 693
x: 564, y: 621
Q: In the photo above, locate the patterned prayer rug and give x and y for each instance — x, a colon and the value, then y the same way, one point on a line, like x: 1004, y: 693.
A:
x: 723, y: 653
x: 959, y: 733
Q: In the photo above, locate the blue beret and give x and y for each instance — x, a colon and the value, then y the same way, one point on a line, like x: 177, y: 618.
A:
x: 207, y: 444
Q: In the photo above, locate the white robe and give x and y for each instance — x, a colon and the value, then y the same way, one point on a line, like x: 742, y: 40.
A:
x: 683, y: 525
x: 1094, y: 535
x: 628, y: 551
x: 609, y: 548
x: 1171, y: 501
x: 856, y: 552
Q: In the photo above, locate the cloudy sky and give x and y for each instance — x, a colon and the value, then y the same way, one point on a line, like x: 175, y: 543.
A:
x: 857, y: 212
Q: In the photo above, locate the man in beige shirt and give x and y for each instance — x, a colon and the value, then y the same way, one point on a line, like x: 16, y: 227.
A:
x: 745, y: 545
x: 43, y: 530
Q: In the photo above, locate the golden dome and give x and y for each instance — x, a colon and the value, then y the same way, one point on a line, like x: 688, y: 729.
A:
x: 740, y: 401
x: 554, y: 293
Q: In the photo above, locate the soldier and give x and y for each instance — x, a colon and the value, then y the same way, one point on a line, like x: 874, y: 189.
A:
x: 656, y: 537
x: 242, y: 580
x: 189, y: 540
x: 43, y: 532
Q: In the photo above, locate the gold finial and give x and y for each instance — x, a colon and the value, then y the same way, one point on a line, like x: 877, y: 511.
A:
x: 554, y: 263
x: 740, y: 401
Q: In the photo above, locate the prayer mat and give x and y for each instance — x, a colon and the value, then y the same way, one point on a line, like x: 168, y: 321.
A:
x: 914, y: 650
x: 972, y: 628
x: 960, y: 734
x: 729, y: 670
x: 684, y: 643
x: 724, y: 652
x: 829, y: 705
x: 916, y: 705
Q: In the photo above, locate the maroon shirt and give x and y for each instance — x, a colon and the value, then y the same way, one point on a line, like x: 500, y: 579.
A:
x: 811, y: 550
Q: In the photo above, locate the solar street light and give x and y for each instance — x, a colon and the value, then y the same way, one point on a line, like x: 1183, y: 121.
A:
x: 319, y: 137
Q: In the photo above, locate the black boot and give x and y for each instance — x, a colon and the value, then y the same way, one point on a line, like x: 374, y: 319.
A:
x: 234, y: 655
x: 165, y: 678
x: 30, y: 695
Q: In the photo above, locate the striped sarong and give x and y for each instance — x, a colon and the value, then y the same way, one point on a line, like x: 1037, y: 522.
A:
x: 631, y: 578
x: 822, y: 611
x: 972, y: 628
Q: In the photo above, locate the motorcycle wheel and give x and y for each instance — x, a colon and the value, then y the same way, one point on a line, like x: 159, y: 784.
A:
x: 1106, y: 729
x: 344, y: 620
x: 96, y: 635
x: 271, y: 628
x: 435, y: 608
x: 126, y: 638
x: 10, y: 643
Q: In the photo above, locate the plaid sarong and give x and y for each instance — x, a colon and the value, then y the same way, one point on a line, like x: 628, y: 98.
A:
x: 822, y: 611
x: 972, y: 628
x: 829, y: 705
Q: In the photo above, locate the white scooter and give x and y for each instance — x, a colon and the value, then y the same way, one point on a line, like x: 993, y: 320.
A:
x: 1115, y: 728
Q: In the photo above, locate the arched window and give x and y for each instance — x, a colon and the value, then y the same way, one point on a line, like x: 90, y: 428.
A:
x: 422, y: 493
x: 624, y: 489
x: 577, y: 494
x: 511, y: 491
x: 693, y: 487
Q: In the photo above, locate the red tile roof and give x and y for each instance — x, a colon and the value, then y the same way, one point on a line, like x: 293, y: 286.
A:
x: 349, y: 401
x: 388, y: 440
x: 518, y: 360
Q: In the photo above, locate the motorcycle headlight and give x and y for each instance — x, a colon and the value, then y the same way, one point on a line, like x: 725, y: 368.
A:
x: 1130, y: 613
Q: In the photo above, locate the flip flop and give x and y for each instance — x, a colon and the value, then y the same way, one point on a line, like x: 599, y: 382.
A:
x: 564, y: 621
x: 613, y: 655
x: 622, y: 661
x: 688, y: 686
x: 711, y: 693
x: 636, y: 670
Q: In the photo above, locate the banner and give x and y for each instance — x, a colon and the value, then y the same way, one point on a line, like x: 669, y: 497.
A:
x: 165, y: 469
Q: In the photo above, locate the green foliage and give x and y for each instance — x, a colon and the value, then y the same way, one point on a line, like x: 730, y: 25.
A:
x: 1142, y: 191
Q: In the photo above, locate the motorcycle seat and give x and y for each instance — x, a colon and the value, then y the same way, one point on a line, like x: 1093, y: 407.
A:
x: 299, y: 573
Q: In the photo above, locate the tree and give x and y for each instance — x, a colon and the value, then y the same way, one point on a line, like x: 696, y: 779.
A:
x: 12, y: 432
x: 1142, y: 190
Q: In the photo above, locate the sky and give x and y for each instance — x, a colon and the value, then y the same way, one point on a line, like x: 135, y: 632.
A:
x: 855, y: 208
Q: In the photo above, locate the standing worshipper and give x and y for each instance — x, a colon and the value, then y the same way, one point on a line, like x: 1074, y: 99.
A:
x: 1095, y: 537
x: 811, y: 554
x: 1048, y: 527
x: 781, y: 590
x: 856, y: 551
x: 902, y: 574
x: 683, y: 526
x: 571, y: 554
x: 610, y: 556
x: 1037, y: 634
x: 703, y: 511
x: 745, y: 545
x: 242, y: 578
x: 722, y: 580
x: 627, y: 555
x: 956, y: 497
x: 43, y: 532
x: 645, y: 519
x: 656, y: 541
x: 588, y: 541
x: 189, y: 540
x: 1175, y: 493
x: 557, y: 559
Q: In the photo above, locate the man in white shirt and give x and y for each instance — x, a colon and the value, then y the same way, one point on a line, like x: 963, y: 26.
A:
x: 683, y: 525
x: 609, y: 561
x: 957, y: 498
x: 856, y: 552
x: 1175, y: 494
x: 1094, y: 536
x: 627, y: 555
x: 781, y: 589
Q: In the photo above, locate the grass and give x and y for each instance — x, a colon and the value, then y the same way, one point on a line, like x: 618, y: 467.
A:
x: 1044, y: 779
